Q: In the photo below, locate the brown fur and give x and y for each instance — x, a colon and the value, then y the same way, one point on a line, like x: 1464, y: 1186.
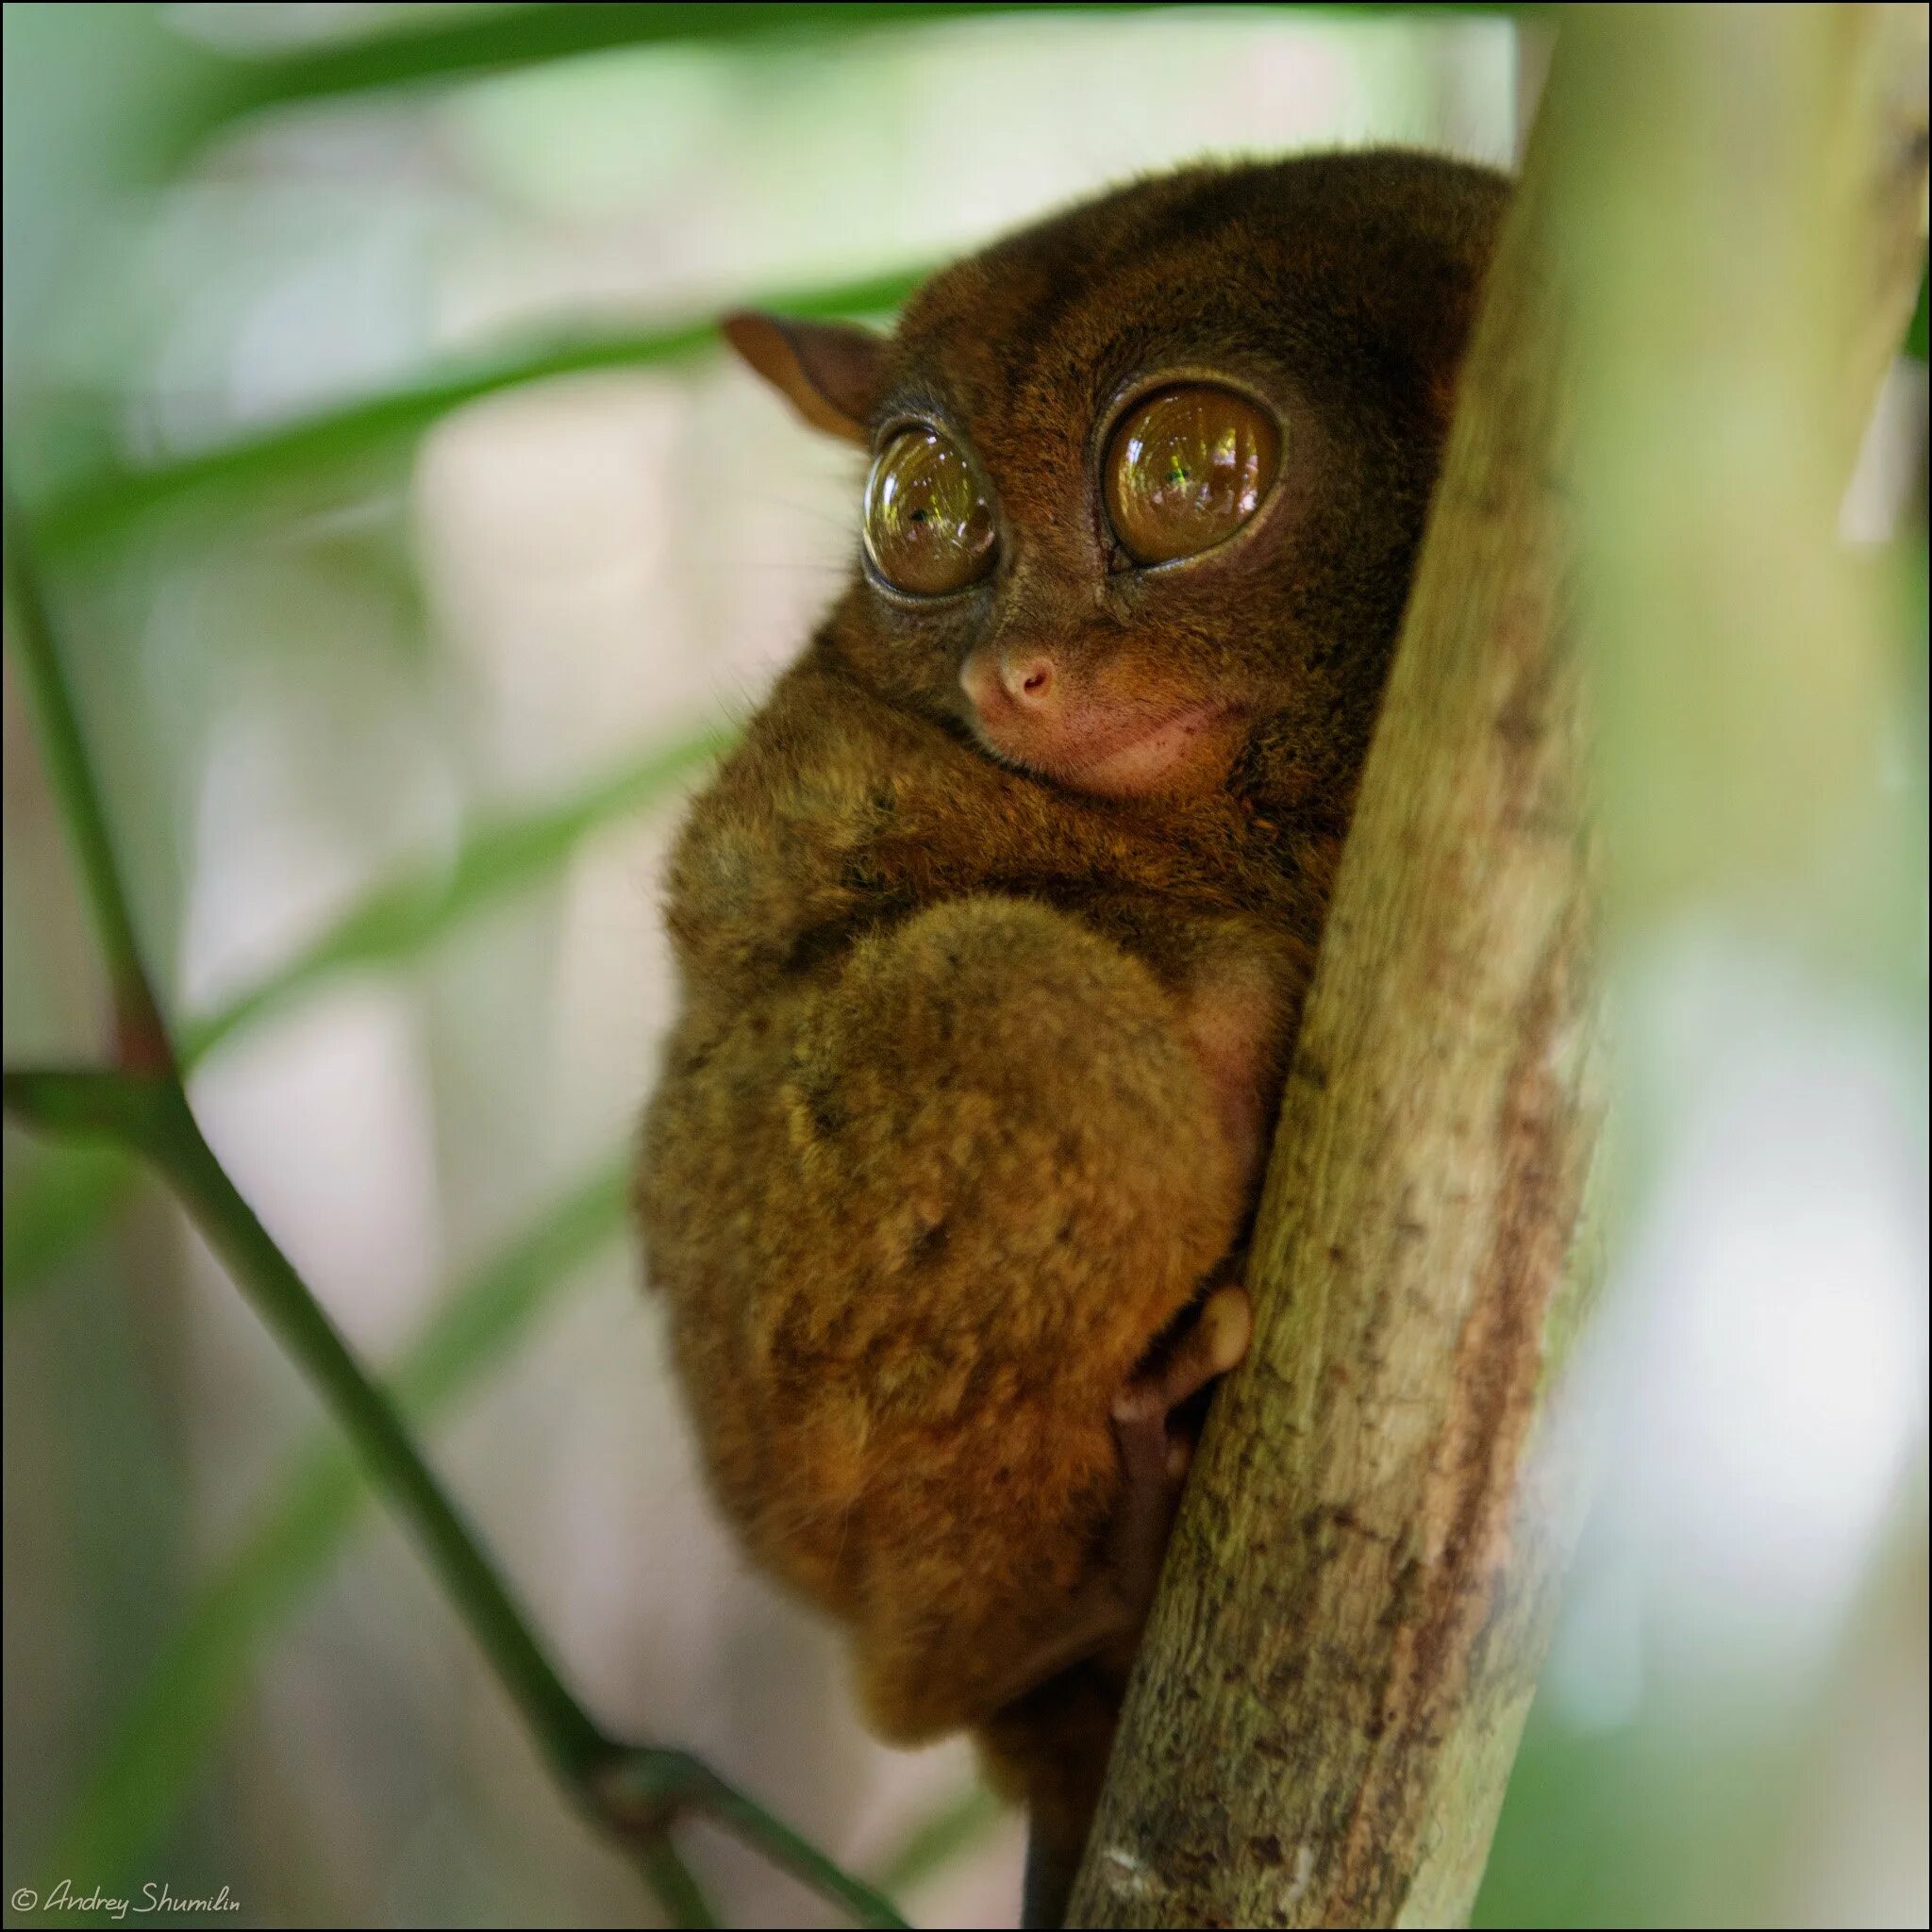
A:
x: 963, y: 1104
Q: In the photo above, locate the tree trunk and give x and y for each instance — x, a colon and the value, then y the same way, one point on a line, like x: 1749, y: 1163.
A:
x: 1356, y: 1600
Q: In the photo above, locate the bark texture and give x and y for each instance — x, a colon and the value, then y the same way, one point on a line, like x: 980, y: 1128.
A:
x: 1340, y: 1630
x: 1356, y: 1600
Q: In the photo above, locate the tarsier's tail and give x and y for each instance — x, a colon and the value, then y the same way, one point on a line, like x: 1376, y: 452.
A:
x: 1051, y: 1749
x: 1053, y: 1862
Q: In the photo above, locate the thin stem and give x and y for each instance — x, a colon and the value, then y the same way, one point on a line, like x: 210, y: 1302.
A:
x: 92, y: 1102
x: 676, y: 1891
x: 141, y: 1040
x: 146, y: 1771
x: 642, y: 1789
x: 570, y: 1740
x: 149, y: 1115
x: 143, y: 1108
x: 635, y: 1791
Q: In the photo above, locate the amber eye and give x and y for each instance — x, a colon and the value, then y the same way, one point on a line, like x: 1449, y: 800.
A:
x: 1186, y: 469
x: 927, y: 528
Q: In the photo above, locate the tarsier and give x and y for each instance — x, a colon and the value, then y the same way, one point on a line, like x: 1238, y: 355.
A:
x: 993, y: 932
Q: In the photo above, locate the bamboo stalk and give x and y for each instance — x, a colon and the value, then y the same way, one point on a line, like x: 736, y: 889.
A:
x: 1357, y: 1601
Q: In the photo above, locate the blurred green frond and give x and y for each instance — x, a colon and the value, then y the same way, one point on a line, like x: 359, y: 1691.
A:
x: 147, y: 1771
x: 933, y: 1843
x: 521, y: 36
x: 59, y: 1195
x: 1915, y: 334
x: 103, y: 506
x: 403, y: 915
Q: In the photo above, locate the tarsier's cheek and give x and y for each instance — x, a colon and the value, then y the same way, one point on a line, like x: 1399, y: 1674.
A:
x: 1232, y: 1017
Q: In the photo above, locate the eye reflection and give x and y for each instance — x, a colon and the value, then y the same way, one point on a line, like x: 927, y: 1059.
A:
x: 1187, y: 469
x: 927, y: 528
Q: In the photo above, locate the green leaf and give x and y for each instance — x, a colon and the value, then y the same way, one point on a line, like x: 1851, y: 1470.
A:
x: 98, y: 508
x: 147, y: 1771
x: 515, y: 37
x: 949, y: 1833
x: 59, y: 1195
x: 1915, y: 334
x: 403, y: 915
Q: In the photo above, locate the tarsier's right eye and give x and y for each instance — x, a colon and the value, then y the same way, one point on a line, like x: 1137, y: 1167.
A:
x: 927, y: 528
x: 1186, y: 470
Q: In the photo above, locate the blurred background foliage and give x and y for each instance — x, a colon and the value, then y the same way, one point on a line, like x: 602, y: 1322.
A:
x: 413, y: 549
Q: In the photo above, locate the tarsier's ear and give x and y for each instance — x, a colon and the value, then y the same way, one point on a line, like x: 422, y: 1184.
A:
x: 829, y: 370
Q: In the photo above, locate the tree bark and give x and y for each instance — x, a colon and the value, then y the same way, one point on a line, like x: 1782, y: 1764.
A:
x: 1356, y: 1600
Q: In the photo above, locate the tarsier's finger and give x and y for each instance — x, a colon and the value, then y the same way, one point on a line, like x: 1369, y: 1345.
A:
x: 1216, y: 1342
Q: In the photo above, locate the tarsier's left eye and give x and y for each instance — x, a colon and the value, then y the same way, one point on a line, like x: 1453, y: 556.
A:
x: 927, y: 528
x: 1186, y: 469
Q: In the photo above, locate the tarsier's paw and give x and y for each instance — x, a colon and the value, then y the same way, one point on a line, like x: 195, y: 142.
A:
x: 1154, y: 1455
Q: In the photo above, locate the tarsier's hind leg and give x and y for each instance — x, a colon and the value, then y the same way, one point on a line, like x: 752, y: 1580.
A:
x: 921, y: 1220
x: 1154, y: 1463
x: 951, y: 1191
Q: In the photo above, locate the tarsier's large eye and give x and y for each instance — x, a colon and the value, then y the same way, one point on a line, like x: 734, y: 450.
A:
x: 1186, y: 469
x: 927, y: 528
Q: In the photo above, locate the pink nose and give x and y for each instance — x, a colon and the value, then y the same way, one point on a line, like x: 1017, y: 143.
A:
x: 1028, y: 683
